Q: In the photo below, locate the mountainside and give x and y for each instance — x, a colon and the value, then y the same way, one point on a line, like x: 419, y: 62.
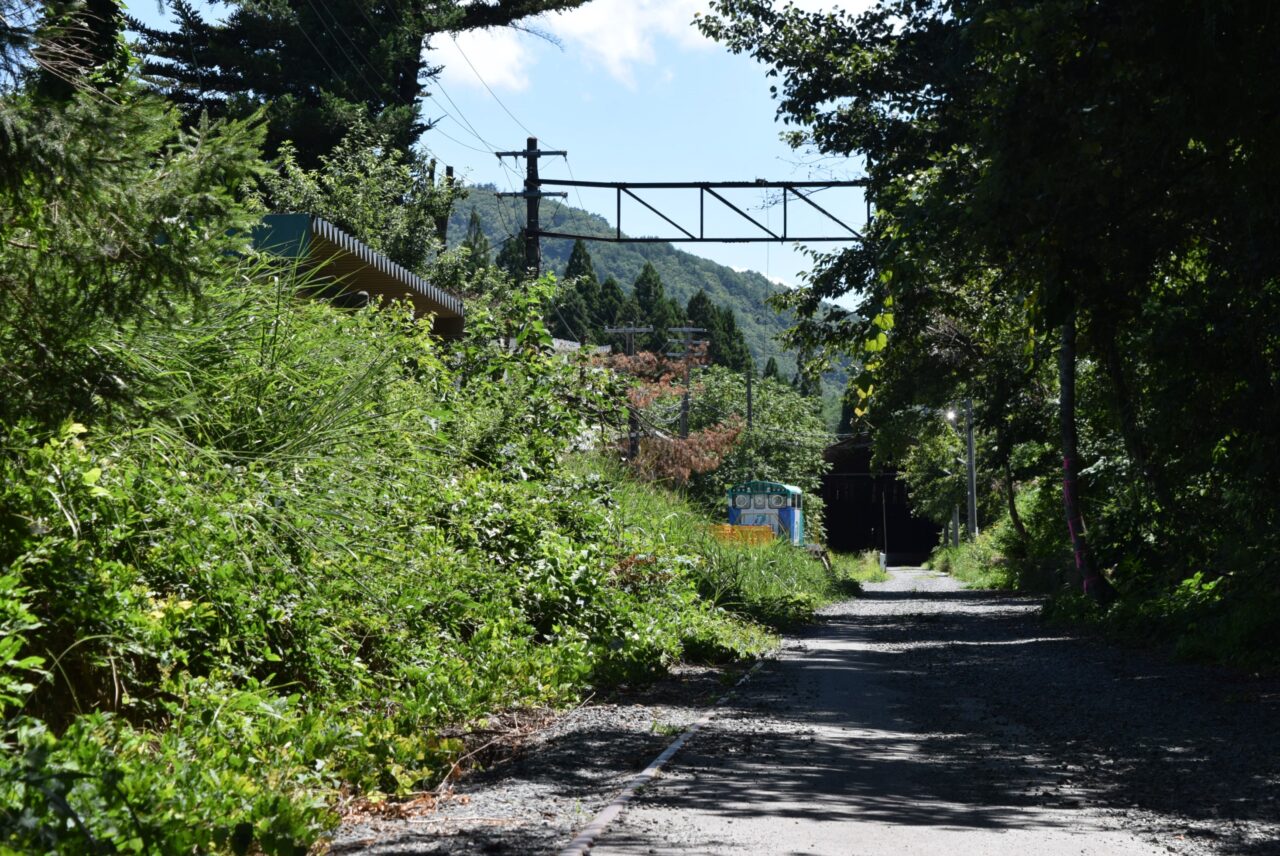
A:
x: 682, y: 273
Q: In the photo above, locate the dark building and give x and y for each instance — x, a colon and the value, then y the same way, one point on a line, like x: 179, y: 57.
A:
x: 868, y: 510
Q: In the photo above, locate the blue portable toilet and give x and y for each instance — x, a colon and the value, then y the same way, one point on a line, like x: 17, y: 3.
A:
x: 773, y: 504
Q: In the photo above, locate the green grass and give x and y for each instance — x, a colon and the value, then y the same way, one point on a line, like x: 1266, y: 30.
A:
x: 978, y: 564
x: 777, y: 585
x: 861, y: 567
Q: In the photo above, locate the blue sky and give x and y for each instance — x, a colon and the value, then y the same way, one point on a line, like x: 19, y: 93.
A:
x: 634, y: 93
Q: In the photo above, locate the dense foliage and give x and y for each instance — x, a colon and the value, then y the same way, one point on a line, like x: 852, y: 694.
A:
x: 112, y: 211
x: 683, y: 274
x: 332, y: 532
x: 367, y: 187
x: 257, y: 551
x: 1074, y: 207
x: 317, y: 67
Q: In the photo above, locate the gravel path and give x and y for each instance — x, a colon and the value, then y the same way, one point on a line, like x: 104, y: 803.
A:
x: 920, y: 718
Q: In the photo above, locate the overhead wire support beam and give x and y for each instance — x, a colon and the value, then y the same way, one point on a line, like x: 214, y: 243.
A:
x: 534, y: 192
x: 712, y: 188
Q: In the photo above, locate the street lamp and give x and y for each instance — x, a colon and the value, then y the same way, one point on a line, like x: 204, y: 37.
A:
x: 972, y: 466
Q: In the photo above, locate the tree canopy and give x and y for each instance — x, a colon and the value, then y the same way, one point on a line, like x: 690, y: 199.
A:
x: 319, y: 66
x: 1074, y: 203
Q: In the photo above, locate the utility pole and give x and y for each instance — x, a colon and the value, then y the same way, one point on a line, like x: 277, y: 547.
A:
x: 532, y: 195
x: 633, y: 424
x: 688, y: 353
x: 973, y: 471
x: 629, y: 336
x: 750, y: 372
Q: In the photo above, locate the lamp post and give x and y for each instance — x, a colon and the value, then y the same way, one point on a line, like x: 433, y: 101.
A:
x: 971, y: 464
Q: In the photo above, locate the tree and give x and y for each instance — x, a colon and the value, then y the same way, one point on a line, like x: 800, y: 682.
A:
x: 320, y: 66
x: 730, y: 349
x: 786, y: 442
x: 727, y: 346
x: 771, y: 371
x: 568, y: 316
x: 657, y: 310
x: 479, y: 251
x: 584, y: 301
x: 579, y: 265
x: 367, y: 187
x: 703, y: 313
x: 510, y: 258
x: 1083, y: 166
x: 611, y: 301
x: 141, y: 215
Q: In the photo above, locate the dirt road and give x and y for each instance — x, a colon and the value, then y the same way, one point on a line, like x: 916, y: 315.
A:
x: 920, y: 718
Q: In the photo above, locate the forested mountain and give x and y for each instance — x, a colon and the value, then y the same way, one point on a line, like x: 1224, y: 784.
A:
x: 683, y: 274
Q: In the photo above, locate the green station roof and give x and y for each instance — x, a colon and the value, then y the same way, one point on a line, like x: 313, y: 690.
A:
x: 338, y: 256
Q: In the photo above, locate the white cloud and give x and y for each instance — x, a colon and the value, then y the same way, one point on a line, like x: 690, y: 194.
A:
x: 619, y: 36
x: 501, y: 58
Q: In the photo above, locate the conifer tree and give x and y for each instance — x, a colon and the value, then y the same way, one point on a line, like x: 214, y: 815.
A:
x: 657, y: 310
x: 479, y: 250
x: 316, y: 65
x: 612, y: 299
x: 510, y: 258
x: 731, y: 348
x: 585, y: 302
x: 771, y: 371
x: 580, y: 264
x: 568, y: 316
x: 703, y: 313
x: 727, y: 346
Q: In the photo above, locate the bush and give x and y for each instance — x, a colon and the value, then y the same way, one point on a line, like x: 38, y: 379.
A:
x: 309, y: 545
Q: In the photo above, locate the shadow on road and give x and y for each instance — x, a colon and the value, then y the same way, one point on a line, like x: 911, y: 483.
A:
x: 952, y: 710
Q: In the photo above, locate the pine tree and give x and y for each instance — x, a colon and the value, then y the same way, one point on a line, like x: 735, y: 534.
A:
x: 731, y: 350
x: 510, y: 257
x: 702, y: 313
x: 612, y: 299
x: 568, y: 317
x: 479, y: 250
x: 657, y: 310
x: 648, y: 290
x: 727, y: 346
x: 580, y: 264
x: 771, y: 371
x: 315, y: 65
x: 581, y: 274
x: 73, y: 45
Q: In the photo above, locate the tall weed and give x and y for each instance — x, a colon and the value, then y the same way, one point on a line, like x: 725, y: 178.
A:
x: 312, y: 541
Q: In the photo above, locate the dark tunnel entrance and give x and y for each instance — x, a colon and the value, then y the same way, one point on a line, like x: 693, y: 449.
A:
x: 868, y: 510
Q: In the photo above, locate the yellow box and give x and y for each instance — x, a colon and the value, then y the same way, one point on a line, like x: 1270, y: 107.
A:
x: 751, y: 535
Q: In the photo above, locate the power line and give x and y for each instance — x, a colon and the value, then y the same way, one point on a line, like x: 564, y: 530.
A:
x: 354, y: 44
x: 454, y: 139
x: 467, y: 59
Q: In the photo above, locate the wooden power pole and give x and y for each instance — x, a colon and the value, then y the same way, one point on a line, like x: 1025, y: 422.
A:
x: 633, y: 423
x: 532, y: 195
x: 688, y: 354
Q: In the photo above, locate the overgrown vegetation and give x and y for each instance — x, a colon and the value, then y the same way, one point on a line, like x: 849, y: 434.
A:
x: 776, y: 585
x: 311, y: 542
x: 1071, y: 229
x: 256, y: 550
